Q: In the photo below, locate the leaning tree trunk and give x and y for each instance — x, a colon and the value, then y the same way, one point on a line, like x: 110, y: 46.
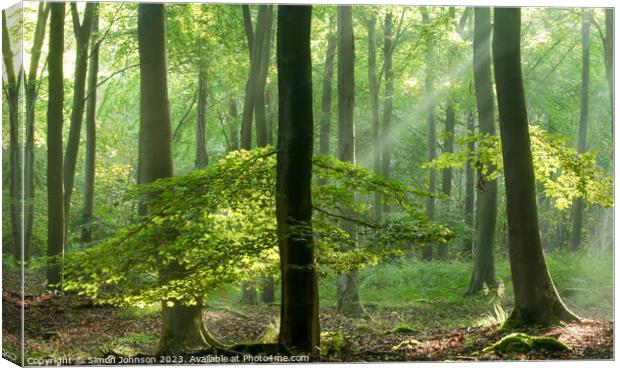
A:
x: 82, y: 36
x: 15, y: 168
x: 299, y: 312
x: 468, y: 244
x: 202, y: 157
x: 484, y: 253
x: 386, y: 139
x: 91, y: 134
x: 373, y: 86
x: 348, y: 299
x: 431, y: 135
x: 182, y: 326
x: 536, y: 300
x: 578, y: 205
x: 609, y: 60
x: 31, y: 92
x: 55, y: 201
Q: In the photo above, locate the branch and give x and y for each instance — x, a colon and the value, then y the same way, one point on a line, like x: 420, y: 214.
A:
x: 107, y: 79
x: 342, y: 217
x: 176, y: 131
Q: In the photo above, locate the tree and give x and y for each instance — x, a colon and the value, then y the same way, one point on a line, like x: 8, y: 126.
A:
x: 31, y: 92
x: 373, y: 86
x: 12, y: 89
x: 577, y: 210
x: 91, y: 132
x: 202, y: 157
x: 484, y: 251
x: 55, y: 186
x: 326, y: 100
x: 431, y: 135
x: 348, y: 299
x: 536, y: 299
x: 386, y: 139
x: 82, y: 31
x: 468, y: 245
x: 609, y: 59
x: 182, y: 324
x: 299, y: 313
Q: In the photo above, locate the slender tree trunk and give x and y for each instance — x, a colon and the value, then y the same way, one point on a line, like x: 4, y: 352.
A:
x: 91, y: 134
x: 386, y: 138
x: 348, y: 299
x: 609, y: 60
x: 247, y: 27
x: 373, y: 86
x: 431, y: 135
x: 202, y: 157
x: 82, y: 35
x: 182, y: 326
x: 326, y: 101
x: 578, y: 205
x: 484, y: 254
x: 55, y: 203
x: 13, y: 88
x: 261, y: 78
x: 299, y: 313
x: 233, y: 115
x: 468, y: 245
x: 446, y: 174
x: 31, y: 98
x: 269, y: 99
x: 536, y: 299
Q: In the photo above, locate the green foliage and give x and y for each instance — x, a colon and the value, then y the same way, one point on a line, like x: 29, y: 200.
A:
x: 219, y: 225
x: 564, y: 173
x: 401, y: 329
x: 333, y: 345
x: 523, y: 343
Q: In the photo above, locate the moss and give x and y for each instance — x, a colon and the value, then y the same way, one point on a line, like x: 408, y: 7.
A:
x: 522, y: 343
x: 333, y: 344
x: 366, y: 329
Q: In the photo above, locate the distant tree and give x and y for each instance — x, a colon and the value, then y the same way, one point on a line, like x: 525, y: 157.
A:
x: 82, y: 30
x: 91, y: 131
x: 202, y: 157
x: 299, y: 313
x: 578, y: 204
x: 373, y: 86
x: 55, y: 186
x: 326, y: 99
x: 484, y: 250
x: 388, y: 54
x: 347, y: 299
x: 536, y: 300
x: 468, y: 244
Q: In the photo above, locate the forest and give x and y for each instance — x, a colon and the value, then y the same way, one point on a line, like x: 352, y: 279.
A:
x: 208, y: 183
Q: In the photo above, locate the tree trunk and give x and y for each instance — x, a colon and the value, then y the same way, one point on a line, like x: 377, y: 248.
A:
x: 202, y: 157
x: 82, y: 36
x: 536, y: 299
x: 91, y: 134
x: 268, y: 294
x: 233, y: 115
x: 373, y: 87
x: 182, y: 325
x: 31, y: 98
x: 326, y: 101
x: 431, y: 136
x: 299, y: 313
x: 468, y: 245
x: 446, y: 174
x: 484, y: 254
x: 578, y: 205
x: 269, y: 99
x: 386, y: 139
x: 262, y: 138
x: 609, y: 60
x: 263, y: 27
x: 55, y: 203
x: 348, y: 299
x: 15, y: 168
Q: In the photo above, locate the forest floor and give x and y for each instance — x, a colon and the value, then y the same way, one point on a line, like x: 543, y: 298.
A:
x: 437, y: 329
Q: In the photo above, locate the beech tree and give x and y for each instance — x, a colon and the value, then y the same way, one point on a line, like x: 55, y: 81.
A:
x: 536, y: 300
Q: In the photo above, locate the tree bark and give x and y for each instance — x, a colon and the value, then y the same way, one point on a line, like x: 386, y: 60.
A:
x: 91, y: 133
x: 326, y: 101
x: 386, y: 138
x: 182, y: 325
x: 468, y: 245
x: 202, y: 157
x: 484, y: 253
x: 55, y: 203
x: 609, y: 60
x: 578, y: 205
x: 446, y: 173
x: 82, y: 36
x: 536, y: 299
x: 31, y: 92
x: 373, y: 86
x: 15, y: 168
x: 431, y: 135
x: 262, y: 138
x: 233, y: 115
x: 348, y: 299
x: 299, y: 313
